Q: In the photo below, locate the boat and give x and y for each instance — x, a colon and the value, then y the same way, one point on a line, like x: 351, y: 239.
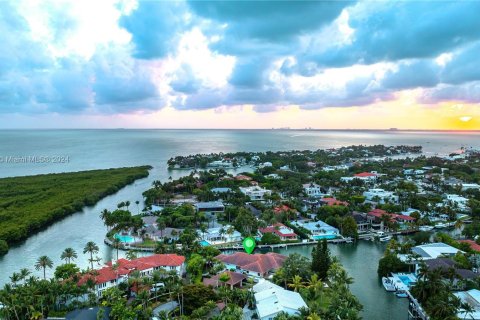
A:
x: 385, y: 238
x: 401, y: 294
x: 388, y: 284
x: 426, y: 228
x: 440, y: 225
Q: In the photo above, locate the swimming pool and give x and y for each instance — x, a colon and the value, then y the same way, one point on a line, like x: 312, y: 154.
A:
x: 407, y: 280
x: 204, y: 243
x: 326, y: 236
x: 125, y: 239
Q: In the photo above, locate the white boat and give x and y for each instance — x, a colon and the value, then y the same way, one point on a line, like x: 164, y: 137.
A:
x: 401, y: 294
x: 425, y: 228
x: 388, y: 284
x: 385, y: 238
x: 440, y: 225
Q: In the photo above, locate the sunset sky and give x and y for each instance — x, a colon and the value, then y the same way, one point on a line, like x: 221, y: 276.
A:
x: 240, y: 64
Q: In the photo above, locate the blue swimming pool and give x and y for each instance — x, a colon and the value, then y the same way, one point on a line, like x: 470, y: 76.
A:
x: 326, y: 236
x: 125, y: 239
x: 406, y: 280
x: 204, y: 243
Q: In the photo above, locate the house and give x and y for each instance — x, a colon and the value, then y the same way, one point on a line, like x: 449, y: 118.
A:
x: 273, y: 176
x: 255, y: 265
x: 430, y: 251
x: 446, y: 264
x: 318, y: 229
x: 283, y: 232
x: 312, y: 190
x: 235, y: 279
x: 255, y: 193
x: 472, y: 244
x: 366, y: 176
x: 363, y: 223
x: 109, y: 276
x: 265, y: 164
x: 333, y: 202
x: 242, y: 177
x: 377, y: 214
x: 470, y: 186
x: 380, y: 196
x: 156, y: 234
x: 456, y: 200
x: 224, y: 234
x: 273, y: 300
x: 210, y: 207
x: 471, y: 297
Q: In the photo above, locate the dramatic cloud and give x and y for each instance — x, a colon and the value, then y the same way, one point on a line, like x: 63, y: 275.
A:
x: 134, y: 57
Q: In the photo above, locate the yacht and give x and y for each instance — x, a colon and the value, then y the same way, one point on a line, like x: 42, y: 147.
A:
x: 426, y: 228
x: 388, y: 284
x: 401, y: 294
x: 440, y: 225
x: 385, y: 238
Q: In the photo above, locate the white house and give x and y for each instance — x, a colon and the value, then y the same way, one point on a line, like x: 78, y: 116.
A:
x: 471, y: 297
x: 380, y: 196
x: 312, y: 190
x: 273, y: 300
x: 430, y: 251
x: 255, y: 193
x: 224, y: 234
x: 470, y: 186
x: 459, y: 201
x: 265, y: 164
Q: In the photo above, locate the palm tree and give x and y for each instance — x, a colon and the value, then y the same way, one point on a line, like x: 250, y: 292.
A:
x: 467, y: 309
x: 24, y: 273
x: 296, y: 283
x: 43, y: 262
x: 138, y: 208
x: 127, y: 204
x: 116, y: 244
x: 91, y: 248
x: 313, y: 316
x: 68, y: 255
x: 15, y: 277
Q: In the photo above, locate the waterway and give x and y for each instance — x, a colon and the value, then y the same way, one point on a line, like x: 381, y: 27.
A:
x: 96, y: 149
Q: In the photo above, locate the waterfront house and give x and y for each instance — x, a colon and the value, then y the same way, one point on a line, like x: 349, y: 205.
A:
x: 156, y: 234
x: 470, y: 186
x: 242, y: 177
x: 380, y: 196
x: 312, y: 190
x: 108, y: 276
x: 254, y: 265
x: 366, y: 176
x: 265, y: 165
x: 283, y: 232
x: 318, y: 229
x: 271, y: 300
x: 456, y: 200
x: 255, y: 193
x: 471, y: 297
x: 429, y: 251
x: 447, y: 264
x: 223, y: 234
x: 375, y: 217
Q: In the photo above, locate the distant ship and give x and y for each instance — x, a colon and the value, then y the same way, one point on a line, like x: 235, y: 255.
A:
x: 393, y: 129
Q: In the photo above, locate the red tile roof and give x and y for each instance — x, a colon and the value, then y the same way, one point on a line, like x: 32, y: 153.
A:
x: 235, y: 278
x: 472, y: 244
x: 261, y: 263
x: 334, y: 202
x: 243, y: 177
x: 274, y: 229
x: 378, y: 213
x: 365, y: 174
x: 282, y: 208
x: 106, y: 274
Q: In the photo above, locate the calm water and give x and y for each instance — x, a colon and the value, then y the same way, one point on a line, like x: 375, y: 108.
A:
x: 94, y: 149
x: 361, y: 261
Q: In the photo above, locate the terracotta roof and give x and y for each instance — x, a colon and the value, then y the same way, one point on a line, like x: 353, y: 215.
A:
x: 235, y: 278
x: 365, y: 174
x: 273, y: 229
x: 334, y: 202
x: 243, y: 177
x: 379, y: 213
x: 106, y: 273
x: 261, y: 263
x: 472, y: 244
x: 282, y: 208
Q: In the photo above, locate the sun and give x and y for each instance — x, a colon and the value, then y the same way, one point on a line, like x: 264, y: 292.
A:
x: 465, y: 118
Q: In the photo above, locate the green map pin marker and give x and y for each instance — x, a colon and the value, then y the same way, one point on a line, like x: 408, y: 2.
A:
x: 249, y: 244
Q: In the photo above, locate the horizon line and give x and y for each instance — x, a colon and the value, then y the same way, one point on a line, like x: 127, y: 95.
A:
x: 262, y: 129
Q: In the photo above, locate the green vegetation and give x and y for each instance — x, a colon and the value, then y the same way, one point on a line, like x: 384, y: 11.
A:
x: 28, y: 204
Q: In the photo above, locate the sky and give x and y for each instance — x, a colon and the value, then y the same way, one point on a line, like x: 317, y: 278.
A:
x: 240, y: 64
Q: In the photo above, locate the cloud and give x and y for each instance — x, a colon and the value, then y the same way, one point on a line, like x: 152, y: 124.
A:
x: 412, y: 74
x: 393, y: 31
x: 154, y: 26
